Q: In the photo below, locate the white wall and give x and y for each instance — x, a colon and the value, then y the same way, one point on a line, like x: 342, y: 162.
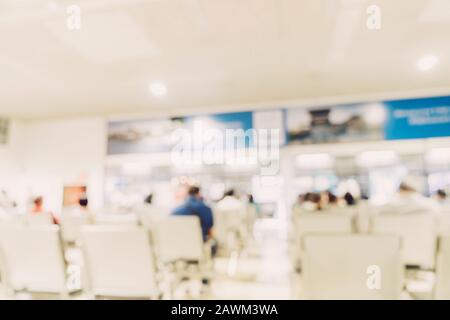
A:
x: 65, y: 152
x: 12, y: 160
x: 10, y: 151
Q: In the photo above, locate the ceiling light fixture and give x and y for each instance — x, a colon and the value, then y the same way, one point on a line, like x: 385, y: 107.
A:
x: 158, y: 89
x: 427, y: 63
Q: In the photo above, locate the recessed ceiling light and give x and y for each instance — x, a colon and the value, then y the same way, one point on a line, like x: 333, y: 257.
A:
x: 427, y: 63
x: 158, y: 89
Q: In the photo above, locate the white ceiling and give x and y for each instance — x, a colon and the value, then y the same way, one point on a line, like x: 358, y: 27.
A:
x: 212, y: 54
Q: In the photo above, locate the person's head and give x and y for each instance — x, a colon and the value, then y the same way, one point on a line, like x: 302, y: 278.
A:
x: 229, y: 193
x: 327, y: 198
x: 349, y: 199
x: 194, y: 191
x: 148, y: 199
x: 406, y: 188
x: 441, y: 194
x: 331, y: 197
x: 311, y: 201
x: 306, y: 197
x: 83, y: 202
x: 250, y: 199
x: 38, y: 201
x: 312, y: 197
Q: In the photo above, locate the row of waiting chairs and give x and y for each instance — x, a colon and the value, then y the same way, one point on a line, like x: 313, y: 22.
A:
x: 418, y: 232
x: 333, y: 251
x: 350, y: 266
x: 120, y: 261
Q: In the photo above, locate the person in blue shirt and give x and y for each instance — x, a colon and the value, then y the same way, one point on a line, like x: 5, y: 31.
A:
x: 194, y: 206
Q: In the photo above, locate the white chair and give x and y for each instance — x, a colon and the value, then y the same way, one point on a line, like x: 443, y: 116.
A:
x: 418, y: 234
x: 351, y: 267
x: 71, y: 224
x: 362, y: 217
x: 42, y: 218
x: 444, y: 223
x: 33, y: 259
x: 117, y: 219
x: 180, y: 250
x: 318, y: 222
x: 119, y: 262
x: 178, y: 238
x: 323, y: 223
x: 442, y: 288
x: 230, y: 228
x: 13, y: 220
x: 149, y: 214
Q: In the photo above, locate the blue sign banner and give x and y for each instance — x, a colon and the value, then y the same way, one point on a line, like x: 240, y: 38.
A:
x: 388, y: 120
x: 156, y: 135
x: 417, y: 118
x: 243, y: 121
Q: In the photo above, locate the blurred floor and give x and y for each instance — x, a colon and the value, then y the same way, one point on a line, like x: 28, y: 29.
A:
x: 261, y: 273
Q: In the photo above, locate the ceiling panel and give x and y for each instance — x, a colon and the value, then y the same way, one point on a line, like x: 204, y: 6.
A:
x: 212, y: 54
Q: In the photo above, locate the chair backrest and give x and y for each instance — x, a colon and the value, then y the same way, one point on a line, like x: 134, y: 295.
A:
x: 418, y: 234
x: 42, y: 218
x: 71, y: 224
x: 13, y: 220
x: 444, y: 223
x: 398, y: 209
x: 323, y: 223
x: 178, y: 238
x: 117, y: 219
x: 442, y: 288
x: 147, y: 215
x: 349, y: 266
x: 229, y: 220
x: 119, y: 261
x: 33, y: 258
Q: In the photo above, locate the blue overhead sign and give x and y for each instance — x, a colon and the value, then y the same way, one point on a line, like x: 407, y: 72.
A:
x: 417, y: 118
x: 388, y: 120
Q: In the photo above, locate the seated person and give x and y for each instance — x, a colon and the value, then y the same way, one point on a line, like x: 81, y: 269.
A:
x: 148, y: 199
x: 310, y: 202
x: 408, y: 197
x: 230, y: 202
x: 83, y: 202
x: 38, y: 205
x: 327, y: 200
x: 38, y: 208
x: 441, y: 196
x: 194, y: 206
x: 349, y: 199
